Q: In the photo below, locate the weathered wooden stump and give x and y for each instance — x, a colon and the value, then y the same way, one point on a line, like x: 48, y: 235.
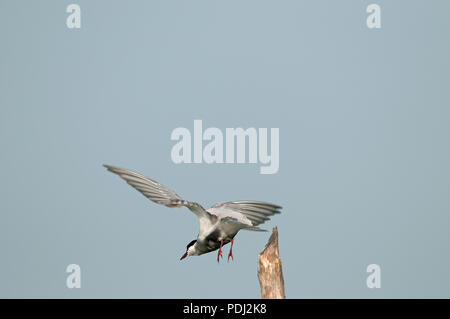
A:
x: 270, y: 274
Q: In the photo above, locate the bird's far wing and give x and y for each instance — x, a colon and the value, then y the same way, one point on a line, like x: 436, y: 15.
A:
x: 231, y: 225
x: 256, y: 212
x: 157, y: 192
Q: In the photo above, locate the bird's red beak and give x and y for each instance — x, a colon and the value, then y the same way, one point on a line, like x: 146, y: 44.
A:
x: 184, y: 256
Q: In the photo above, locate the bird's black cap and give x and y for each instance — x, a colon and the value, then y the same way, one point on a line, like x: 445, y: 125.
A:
x: 191, y: 243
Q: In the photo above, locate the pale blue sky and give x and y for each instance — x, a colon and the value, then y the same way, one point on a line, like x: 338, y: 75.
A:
x: 364, y: 144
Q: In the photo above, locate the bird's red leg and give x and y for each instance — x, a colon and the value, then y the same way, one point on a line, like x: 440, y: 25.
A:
x: 230, y: 254
x: 219, y: 254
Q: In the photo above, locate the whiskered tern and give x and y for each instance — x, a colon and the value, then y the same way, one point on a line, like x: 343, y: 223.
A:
x: 218, y: 224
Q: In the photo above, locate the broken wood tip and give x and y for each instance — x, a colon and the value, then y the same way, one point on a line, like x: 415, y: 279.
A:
x: 270, y: 274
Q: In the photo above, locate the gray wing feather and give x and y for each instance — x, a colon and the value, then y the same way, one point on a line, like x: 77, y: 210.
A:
x: 257, y: 212
x: 156, y: 192
x: 231, y: 225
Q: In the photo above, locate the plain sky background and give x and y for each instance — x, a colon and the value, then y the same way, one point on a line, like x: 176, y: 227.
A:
x: 364, y: 145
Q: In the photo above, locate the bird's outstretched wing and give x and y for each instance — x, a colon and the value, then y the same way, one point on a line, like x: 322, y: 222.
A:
x: 231, y: 225
x: 254, y: 211
x: 157, y: 192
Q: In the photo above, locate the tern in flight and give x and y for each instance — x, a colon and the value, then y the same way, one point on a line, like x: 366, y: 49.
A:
x: 218, y: 224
